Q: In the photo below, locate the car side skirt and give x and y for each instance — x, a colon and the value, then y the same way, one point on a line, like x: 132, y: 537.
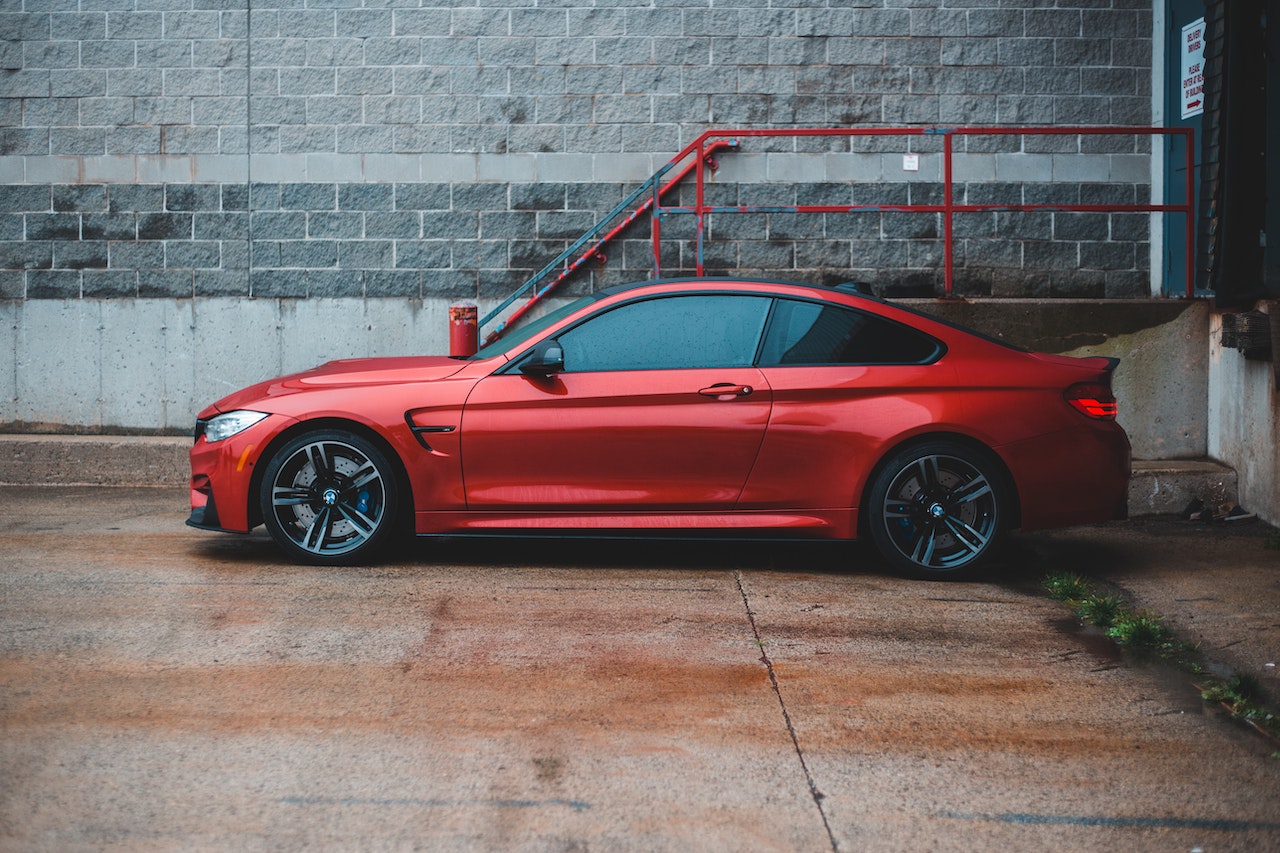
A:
x: 839, y: 523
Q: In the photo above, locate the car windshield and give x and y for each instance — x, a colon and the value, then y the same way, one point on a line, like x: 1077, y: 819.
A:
x: 514, y: 338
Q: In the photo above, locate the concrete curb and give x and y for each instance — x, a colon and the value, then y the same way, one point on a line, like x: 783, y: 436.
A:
x: 74, y: 460
x: 1157, y: 488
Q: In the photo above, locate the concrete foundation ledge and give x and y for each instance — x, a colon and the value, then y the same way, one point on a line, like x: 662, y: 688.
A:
x: 1168, y: 486
x: 73, y: 460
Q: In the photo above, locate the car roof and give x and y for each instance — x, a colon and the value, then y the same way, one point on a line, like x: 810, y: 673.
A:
x: 858, y: 290
x: 850, y: 287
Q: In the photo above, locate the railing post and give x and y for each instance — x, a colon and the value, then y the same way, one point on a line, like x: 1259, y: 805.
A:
x: 948, y: 217
x: 700, y: 216
x: 655, y: 229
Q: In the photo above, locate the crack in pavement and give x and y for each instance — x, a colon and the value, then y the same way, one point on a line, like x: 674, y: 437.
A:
x: 786, y: 715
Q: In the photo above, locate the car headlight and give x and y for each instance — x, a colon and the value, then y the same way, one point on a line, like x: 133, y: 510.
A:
x: 228, y: 424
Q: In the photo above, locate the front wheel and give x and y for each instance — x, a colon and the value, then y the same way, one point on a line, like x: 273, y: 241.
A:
x: 329, y: 497
x: 937, y: 510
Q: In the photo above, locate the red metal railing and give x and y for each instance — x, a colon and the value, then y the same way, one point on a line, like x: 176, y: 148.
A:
x: 700, y: 210
x: 697, y: 157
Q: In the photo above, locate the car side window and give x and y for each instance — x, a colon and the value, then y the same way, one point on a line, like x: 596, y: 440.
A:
x: 815, y: 333
x: 667, y: 333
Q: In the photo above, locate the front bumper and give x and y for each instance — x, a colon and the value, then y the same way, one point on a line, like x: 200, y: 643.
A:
x: 222, y: 476
x: 204, y: 507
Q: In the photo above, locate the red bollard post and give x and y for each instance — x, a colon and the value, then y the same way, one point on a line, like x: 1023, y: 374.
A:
x: 464, y: 328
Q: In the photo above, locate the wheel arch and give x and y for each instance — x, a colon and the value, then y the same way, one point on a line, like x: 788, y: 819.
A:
x: 1014, y: 507
x: 366, y: 432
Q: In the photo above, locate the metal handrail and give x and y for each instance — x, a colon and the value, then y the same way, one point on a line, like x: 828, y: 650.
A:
x: 948, y: 208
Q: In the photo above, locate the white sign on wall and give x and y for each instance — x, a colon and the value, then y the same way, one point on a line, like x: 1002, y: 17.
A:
x: 1193, y: 69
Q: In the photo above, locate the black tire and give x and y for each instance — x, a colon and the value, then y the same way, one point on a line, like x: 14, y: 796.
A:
x: 937, y: 510
x: 330, y: 497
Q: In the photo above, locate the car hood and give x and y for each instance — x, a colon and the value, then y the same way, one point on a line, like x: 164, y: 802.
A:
x: 344, y: 373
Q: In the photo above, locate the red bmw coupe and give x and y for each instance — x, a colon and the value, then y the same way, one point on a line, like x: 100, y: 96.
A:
x: 693, y: 407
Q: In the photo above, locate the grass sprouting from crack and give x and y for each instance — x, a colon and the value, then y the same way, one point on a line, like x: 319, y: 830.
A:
x: 1147, y: 632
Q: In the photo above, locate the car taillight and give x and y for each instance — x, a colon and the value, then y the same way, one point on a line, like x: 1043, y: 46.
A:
x: 1092, y: 399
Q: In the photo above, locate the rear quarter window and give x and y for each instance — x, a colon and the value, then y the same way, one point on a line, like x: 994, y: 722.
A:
x: 815, y: 333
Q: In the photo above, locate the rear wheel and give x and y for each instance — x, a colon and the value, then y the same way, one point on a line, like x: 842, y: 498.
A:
x: 329, y: 497
x: 936, y: 510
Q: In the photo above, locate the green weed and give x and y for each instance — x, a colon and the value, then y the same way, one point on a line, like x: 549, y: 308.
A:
x: 1240, y: 689
x: 1243, y: 696
x: 1102, y: 611
x: 1065, y: 586
x: 1141, y: 630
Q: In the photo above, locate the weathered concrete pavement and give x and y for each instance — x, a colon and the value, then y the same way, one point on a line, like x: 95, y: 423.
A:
x: 165, y: 688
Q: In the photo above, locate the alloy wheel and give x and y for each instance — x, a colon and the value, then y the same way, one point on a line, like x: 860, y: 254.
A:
x: 328, y: 497
x: 938, y: 511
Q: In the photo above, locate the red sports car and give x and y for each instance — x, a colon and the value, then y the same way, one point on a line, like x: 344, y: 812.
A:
x: 693, y: 407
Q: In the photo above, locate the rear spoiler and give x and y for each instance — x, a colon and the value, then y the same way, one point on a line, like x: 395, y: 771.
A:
x: 1104, y: 362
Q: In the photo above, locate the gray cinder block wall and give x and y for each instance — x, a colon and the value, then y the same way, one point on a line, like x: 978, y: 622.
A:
x: 194, y: 195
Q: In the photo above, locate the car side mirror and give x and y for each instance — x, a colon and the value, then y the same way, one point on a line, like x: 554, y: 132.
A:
x: 547, y: 358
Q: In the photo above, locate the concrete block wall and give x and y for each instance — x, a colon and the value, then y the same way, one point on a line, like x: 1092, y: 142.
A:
x: 179, y: 155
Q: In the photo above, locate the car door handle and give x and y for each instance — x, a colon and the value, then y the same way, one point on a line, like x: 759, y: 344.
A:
x: 726, y: 389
